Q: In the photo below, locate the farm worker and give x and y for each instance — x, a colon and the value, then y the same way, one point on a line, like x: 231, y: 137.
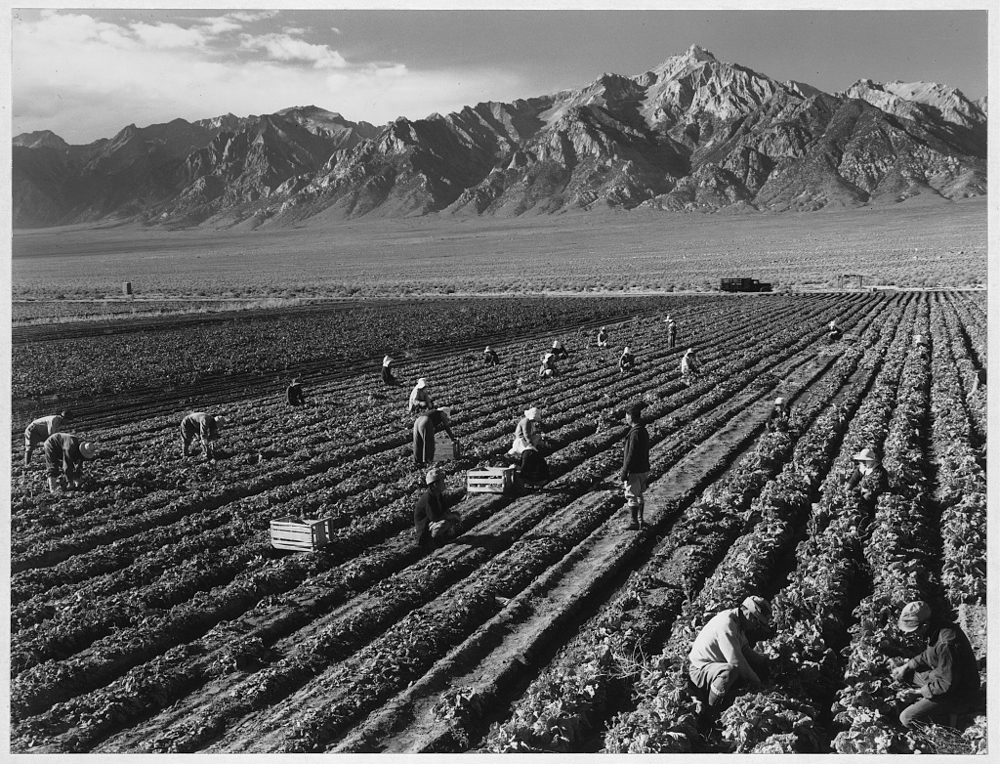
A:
x: 690, y: 366
x: 420, y: 399
x: 387, y: 372
x: 835, y: 333
x: 920, y: 341
x: 430, y: 518
x: 490, y: 357
x: 64, y: 457
x: 721, y: 658
x: 602, y: 338
x: 778, y: 418
x: 627, y: 361
x: 527, y: 434
x: 424, y: 428
x: 946, y: 673
x: 671, y: 332
x: 534, y: 470
x: 548, y: 368
x: 559, y: 351
x: 869, y: 478
x: 203, y: 426
x: 36, y: 432
x: 294, y: 394
x: 635, y: 465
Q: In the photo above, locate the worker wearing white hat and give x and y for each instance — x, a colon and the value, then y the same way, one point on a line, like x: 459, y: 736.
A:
x: 64, y: 457
x: 420, y: 399
x: 558, y: 350
x: 671, y: 332
x: 626, y: 363
x: 533, y: 470
x: 204, y: 427
x: 490, y: 357
x: 387, y: 371
x: 778, y: 418
x: 721, y: 657
x: 868, y: 479
x: 602, y: 338
x: 548, y: 367
x: 690, y: 366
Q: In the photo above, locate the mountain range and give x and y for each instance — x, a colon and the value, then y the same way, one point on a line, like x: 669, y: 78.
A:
x: 694, y: 133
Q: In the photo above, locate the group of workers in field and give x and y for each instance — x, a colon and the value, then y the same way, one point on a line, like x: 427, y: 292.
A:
x: 944, y: 673
x: 721, y: 659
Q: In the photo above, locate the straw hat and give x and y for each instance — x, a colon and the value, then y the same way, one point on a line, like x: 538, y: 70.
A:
x: 88, y: 450
x: 865, y: 455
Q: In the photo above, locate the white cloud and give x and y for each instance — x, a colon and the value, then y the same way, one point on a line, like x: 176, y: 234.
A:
x: 85, y: 79
x: 169, y: 35
x: 283, y: 47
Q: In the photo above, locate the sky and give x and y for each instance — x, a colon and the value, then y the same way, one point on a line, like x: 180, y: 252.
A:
x: 87, y: 73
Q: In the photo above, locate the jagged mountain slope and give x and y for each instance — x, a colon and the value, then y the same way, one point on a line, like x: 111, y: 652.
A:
x: 692, y: 133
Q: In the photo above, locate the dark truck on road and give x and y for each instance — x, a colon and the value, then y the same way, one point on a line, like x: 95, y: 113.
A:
x: 744, y: 285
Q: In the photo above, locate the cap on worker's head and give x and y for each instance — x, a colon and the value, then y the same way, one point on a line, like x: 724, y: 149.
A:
x: 487, y: 348
x: 914, y: 614
x: 757, y: 608
x: 421, y: 383
x: 67, y: 414
x: 533, y: 414
x: 432, y: 476
x: 88, y: 450
x: 865, y: 455
x: 555, y: 344
x: 778, y: 401
x: 627, y: 349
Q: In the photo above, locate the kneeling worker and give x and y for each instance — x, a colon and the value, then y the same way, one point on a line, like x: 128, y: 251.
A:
x: 64, y: 457
x: 721, y: 658
x: 430, y: 518
x: 946, y: 672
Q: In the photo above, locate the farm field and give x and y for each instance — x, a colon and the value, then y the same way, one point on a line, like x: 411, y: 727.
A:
x: 149, y: 612
x: 909, y: 244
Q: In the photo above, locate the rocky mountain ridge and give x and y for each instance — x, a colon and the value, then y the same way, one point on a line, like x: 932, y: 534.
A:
x: 694, y: 133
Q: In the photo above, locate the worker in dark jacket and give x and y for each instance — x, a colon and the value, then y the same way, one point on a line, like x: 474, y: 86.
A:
x: 635, y: 465
x: 868, y: 479
x: 64, y: 457
x: 834, y: 333
x: 778, y: 418
x: 203, y: 426
x: 558, y: 350
x: 946, y: 672
x: 294, y: 394
x: 387, y: 371
x: 40, y: 429
x: 490, y: 357
x: 671, y: 332
x: 626, y: 363
x: 602, y: 338
x: 431, y: 520
x: 424, y: 428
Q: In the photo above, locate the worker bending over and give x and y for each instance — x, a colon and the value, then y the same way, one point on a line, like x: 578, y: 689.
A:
x: 205, y: 428
x: 424, y: 428
x: 40, y: 429
x: 64, y: 458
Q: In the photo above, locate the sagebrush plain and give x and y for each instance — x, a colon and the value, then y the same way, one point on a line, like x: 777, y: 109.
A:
x: 913, y: 244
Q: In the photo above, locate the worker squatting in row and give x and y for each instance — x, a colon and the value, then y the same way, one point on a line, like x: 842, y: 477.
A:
x: 945, y: 674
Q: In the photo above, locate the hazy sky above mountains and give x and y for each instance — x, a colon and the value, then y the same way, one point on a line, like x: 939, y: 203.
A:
x: 87, y: 73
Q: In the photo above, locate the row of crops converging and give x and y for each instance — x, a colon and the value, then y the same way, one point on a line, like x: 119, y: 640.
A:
x: 149, y: 612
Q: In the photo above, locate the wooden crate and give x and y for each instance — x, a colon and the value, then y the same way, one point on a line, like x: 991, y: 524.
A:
x: 490, y: 480
x: 444, y: 447
x: 300, y: 534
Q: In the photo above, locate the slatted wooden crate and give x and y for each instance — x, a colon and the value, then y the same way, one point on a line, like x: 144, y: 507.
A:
x: 490, y: 480
x: 301, y: 534
x: 444, y: 447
